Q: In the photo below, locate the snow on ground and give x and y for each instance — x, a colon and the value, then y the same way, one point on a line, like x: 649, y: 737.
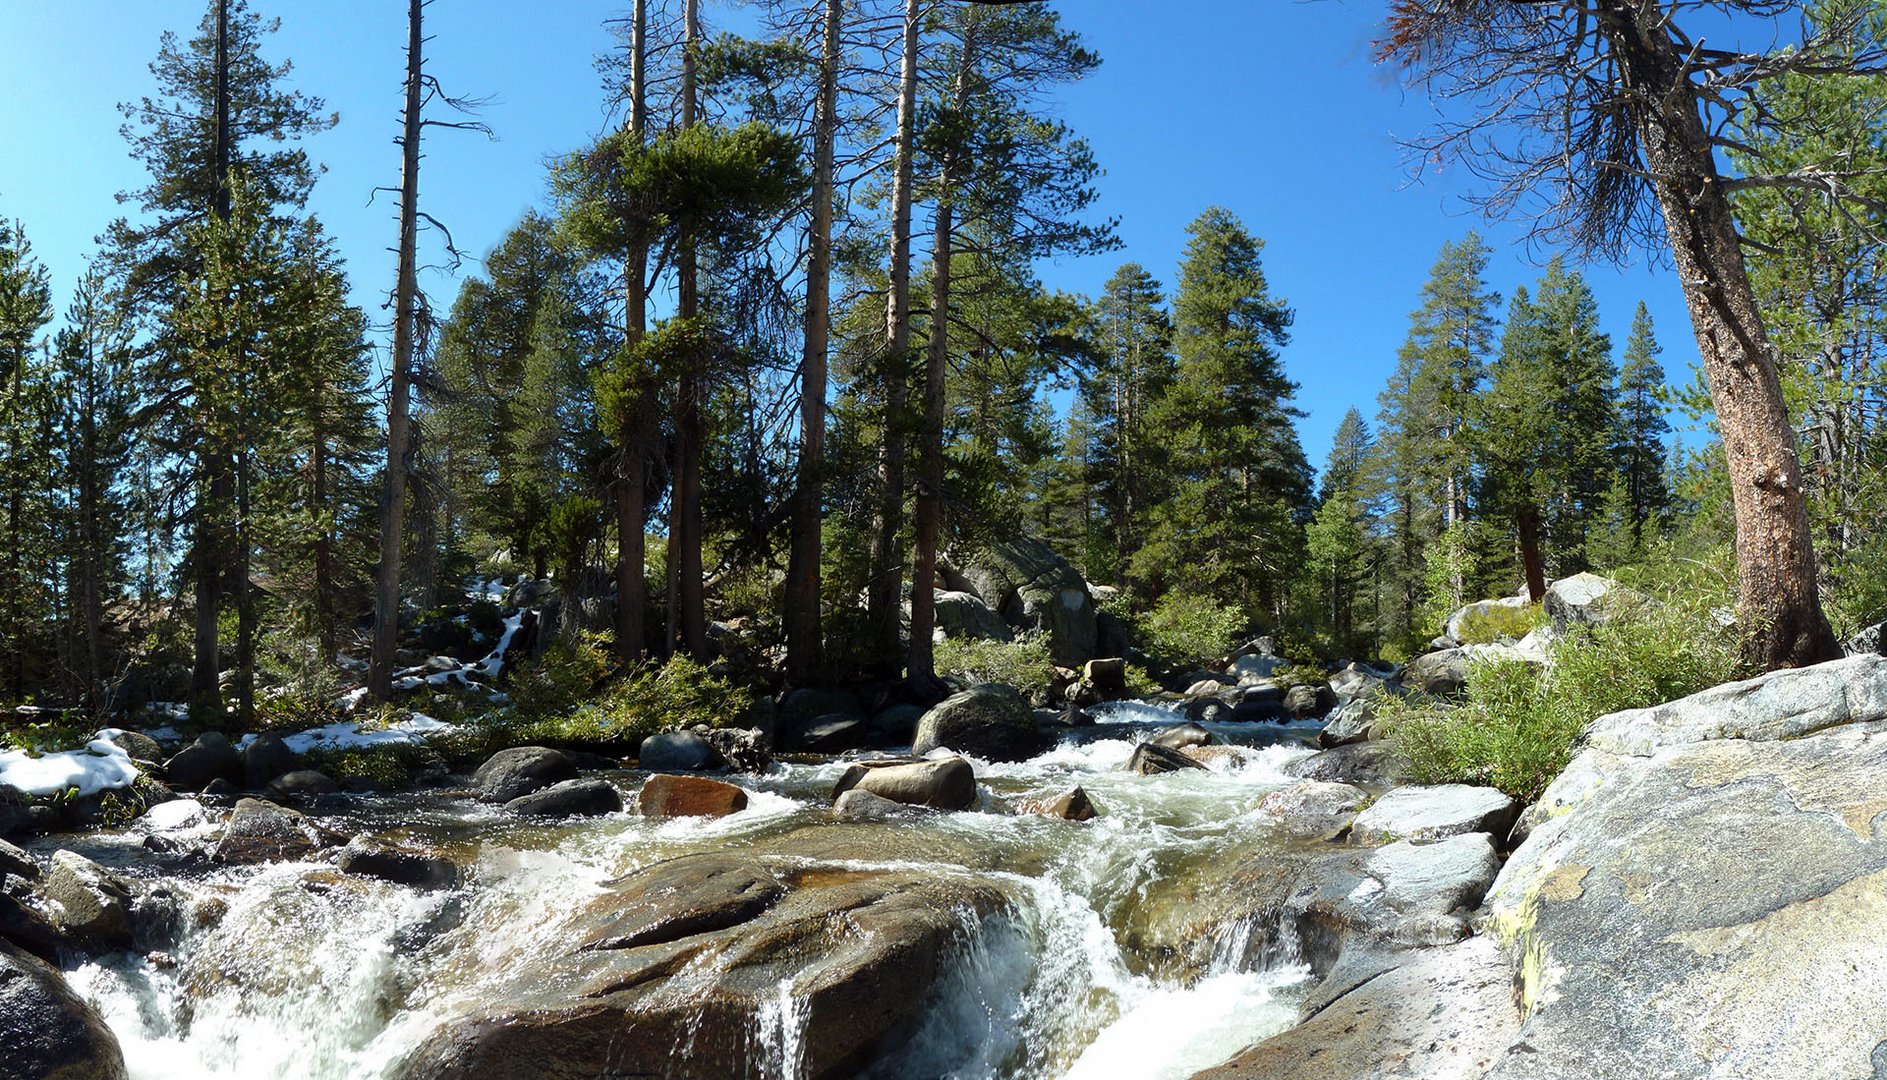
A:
x: 101, y: 766
x: 347, y: 735
x: 494, y: 664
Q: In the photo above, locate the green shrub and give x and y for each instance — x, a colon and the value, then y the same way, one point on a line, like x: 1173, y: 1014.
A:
x: 1024, y: 663
x: 567, y: 674
x: 1517, y: 728
x: 651, y: 700
x: 1485, y: 626
x: 1186, y: 628
x: 388, y: 766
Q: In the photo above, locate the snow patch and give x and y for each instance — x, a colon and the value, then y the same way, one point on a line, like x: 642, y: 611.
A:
x: 102, y: 766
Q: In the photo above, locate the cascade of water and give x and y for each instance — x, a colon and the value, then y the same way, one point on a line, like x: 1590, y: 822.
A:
x: 781, y: 1034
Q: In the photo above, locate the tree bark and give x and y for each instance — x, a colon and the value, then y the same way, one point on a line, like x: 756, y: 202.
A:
x: 801, y: 617
x: 210, y: 542
x: 631, y: 467
x: 405, y: 314
x: 884, y: 592
x: 1527, y: 527
x: 690, y: 595
x: 1780, y: 605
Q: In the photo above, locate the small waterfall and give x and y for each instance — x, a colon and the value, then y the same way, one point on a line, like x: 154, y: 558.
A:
x: 781, y: 1035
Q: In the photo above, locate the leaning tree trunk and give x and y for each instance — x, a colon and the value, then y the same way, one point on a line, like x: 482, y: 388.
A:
x: 1779, y: 603
x: 801, y: 616
x: 393, y: 498
x: 884, y: 592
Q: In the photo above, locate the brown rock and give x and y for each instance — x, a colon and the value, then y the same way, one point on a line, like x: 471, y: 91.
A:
x: 1070, y: 805
x: 667, y: 795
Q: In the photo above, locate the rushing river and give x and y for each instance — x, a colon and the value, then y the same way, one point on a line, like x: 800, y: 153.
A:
x: 312, y: 974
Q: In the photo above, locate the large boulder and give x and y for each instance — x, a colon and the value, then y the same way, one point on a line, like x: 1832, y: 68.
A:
x: 1588, y: 598
x: 1376, y: 764
x: 1152, y: 759
x: 1352, y: 722
x: 1460, y: 623
x: 1706, y: 898
x: 678, y: 751
x: 571, y: 798
x: 1036, y: 589
x: 1180, y: 736
x: 265, y: 758
x: 1309, y: 701
x: 210, y: 757
x: 1430, y: 1014
x: 1313, y: 807
x: 990, y: 721
x: 737, y: 928
x: 47, y: 1031
x: 17, y: 862
x: 508, y: 774
x: 1442, y: 673
x: 965, y: 615
x: 942, y: 784
x: 1435, y: 813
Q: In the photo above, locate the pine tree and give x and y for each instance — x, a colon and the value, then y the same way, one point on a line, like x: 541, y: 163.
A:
x: 1639, y: 438
x: 1239, y: 484
x: 1337, y: 539
x: 26, y: 451
x: 1132, y: 341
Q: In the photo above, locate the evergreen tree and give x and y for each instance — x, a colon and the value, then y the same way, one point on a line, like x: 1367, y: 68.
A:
x: 1641, y: 428
x: 1337, y: 539
x: 26, y: 452
x: 1239, y: 483
x: 1131, y: 337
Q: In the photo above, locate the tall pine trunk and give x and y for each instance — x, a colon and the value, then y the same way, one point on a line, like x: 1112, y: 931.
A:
x: 884, y: 591
x: 801, y: 616
x: 210, y: 543
x: 631, y: 467
x: 688, y: 599
x: 399, y: 420
x: 1780, y: 605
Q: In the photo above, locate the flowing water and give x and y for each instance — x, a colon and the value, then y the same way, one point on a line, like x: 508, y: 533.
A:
x: 309, y: 973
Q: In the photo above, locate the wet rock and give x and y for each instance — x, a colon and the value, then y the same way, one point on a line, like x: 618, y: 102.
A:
x: 747, y: 750
x: 1309, y: 700
x: 400, y: 866
x: 678, y: 751
x: 1034, y: 587
x: 17, y: 862
x: 87, y: 902
x: 1233, y: 756
x: 1708, y: 908
x: 303, y: 784
x: 1180, y: 736
x: 1352, y: 722
x: 521, y: 770
x: 1150, y: 759
x: 28, y: 929
x: 571, y: 798
x: 668, y: 795
x: 1070, y: 805
x: 739, y: 925
x: 1433, y: 813
x: 858, y: 805
x: 46, y: 1029
x: 1436, y: 1013
x: 833, y: 734
x: 209, y: 758
x: 894, y: 725
x: 221, y: 788
x: 1443, y: 673
x: 1370, y: 764
x: 1314, y: 807
x: 259, y: 832
x: 265, y: 759
x: 990, y: 721
x: 942, y: 784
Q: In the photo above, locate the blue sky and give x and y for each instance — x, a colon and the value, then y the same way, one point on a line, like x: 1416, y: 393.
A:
x: 1271, y: 108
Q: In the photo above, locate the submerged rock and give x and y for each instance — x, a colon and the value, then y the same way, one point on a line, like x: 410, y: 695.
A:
x: 859, y: 805
x: 694, y: 952
x: 1150, y: 759
x: 398, y: 865
x: 942, y: 784
x: 991, y: 721
x: 521, y: 770
x: 260, y: 831
x: 1070, y: 805
x: 668, y: 795
x: 46, y: 1030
